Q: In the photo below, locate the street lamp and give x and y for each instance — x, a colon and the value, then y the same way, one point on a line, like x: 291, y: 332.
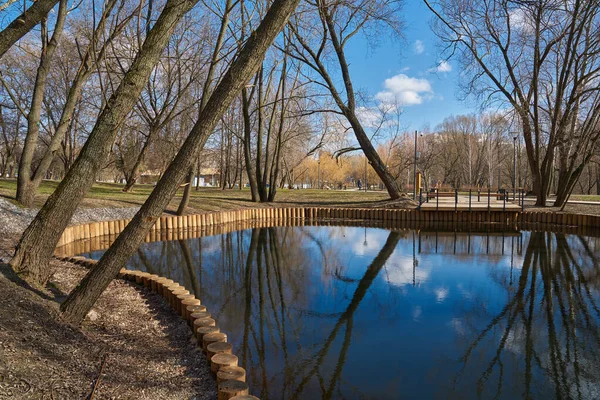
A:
x: 499, y: 178
x: 319, y: 170
x: 515, y: 136
x: 415, y: 169
x: 365, y: 182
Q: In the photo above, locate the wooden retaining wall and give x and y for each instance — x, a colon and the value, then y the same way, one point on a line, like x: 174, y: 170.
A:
x: 230, y: 377
x: 94, y: 236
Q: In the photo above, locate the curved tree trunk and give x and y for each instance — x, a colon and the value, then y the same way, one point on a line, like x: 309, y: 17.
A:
x: 24, y: 23
x: 26, y: 188
x: 37, y: 244
x: 241, y: 70
x: 185, y: 199
x: 247, y: 145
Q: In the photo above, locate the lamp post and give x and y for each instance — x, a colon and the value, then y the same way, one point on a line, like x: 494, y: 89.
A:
x: 415, y: 170
x: 365, y: 182
x: 515, y: 136
x: 319, y: 170
x: 499, y: 167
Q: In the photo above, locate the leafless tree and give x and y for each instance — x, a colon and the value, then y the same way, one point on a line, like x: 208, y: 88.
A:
x: 338, y: 23
x: 32, y: 255
x: 83, y: 297
x: 542, y: 59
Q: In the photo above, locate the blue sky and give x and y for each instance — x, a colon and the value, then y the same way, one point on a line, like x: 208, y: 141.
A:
x: 404, y: 69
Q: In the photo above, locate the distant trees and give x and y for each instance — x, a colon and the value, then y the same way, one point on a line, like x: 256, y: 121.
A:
x: 313, y: 44
x: 238, y: 74
x: 32, y: 254
x: 542, y: 59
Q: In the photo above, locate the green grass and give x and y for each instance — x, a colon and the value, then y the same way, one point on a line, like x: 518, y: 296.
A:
x: 205, y: 199
x: 585, y: 197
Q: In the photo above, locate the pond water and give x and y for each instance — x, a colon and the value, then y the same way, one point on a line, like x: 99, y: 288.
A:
x: 366, y: 313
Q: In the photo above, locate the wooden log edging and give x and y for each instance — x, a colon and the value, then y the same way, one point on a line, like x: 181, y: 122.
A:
x: 93, y: 236
x: 232, y: 382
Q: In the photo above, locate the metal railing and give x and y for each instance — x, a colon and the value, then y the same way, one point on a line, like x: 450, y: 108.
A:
x: 499, y: 195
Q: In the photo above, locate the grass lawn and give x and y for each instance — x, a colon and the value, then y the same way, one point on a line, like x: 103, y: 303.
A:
x: 206, y: 199
x: 585, y: 197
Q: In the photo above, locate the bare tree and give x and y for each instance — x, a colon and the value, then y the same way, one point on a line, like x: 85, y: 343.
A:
x: 166, y: 97
x: 241, y: 70
x: 338, y: 23
x: 542, y: 59
x: 25, y: 190
x: 208, y: 83
x: 31, y: 176
x: 35, y: 247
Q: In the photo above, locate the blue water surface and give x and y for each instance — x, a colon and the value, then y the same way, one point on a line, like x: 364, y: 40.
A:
x: 366, y: 313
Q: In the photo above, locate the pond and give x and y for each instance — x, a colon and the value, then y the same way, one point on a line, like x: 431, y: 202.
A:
x: 366, y: 313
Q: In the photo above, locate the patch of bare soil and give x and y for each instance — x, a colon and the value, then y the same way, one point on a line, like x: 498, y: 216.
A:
x: 131, y: 346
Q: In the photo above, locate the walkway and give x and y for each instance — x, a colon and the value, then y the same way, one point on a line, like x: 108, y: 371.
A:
x: 475, y: 203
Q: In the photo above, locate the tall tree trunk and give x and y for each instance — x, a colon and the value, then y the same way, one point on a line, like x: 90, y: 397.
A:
x: 187, y: 191
x: 86, y: 68
x: 24, y: 23
x: 25, y: 188
x: 260, y: 184
x: 241, y: 70
x: 185, y: 199
x: 37, y: 244
x: 247, y: 146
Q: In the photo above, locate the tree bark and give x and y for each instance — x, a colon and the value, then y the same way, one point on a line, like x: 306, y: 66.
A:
x: 29, y: 186
x: 185, y: 199
x: 25, y: 188
x: 241, y: 70
x: 24, y: 23
x: 37, y: 244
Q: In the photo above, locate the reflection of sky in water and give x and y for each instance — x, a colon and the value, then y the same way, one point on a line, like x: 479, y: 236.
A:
x: 345, y: 312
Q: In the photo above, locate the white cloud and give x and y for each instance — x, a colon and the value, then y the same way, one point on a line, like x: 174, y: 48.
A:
x: 417, y: 311
x: 405, y: 90
x: 368, y: 116
x: 440, y: 294
x: 418, y: 47
x: 400, y: 271
x: 443, y: 67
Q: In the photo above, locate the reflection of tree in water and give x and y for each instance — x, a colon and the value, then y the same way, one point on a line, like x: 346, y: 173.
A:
x: 267, y: 316
x: 258, y: 283
x: 545, y: 340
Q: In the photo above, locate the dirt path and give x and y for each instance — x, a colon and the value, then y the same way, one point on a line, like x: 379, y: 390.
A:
x: 133, y: 342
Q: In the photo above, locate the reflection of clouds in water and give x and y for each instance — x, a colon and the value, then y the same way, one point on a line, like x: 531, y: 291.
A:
x: 417, y: 311
x: 372, y: 245
x: 399, y: 271
x: 458, y: 326
x: 440, y: 294
x: 464, y: 292
x: 515, y: 340
x: 355, y: 238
